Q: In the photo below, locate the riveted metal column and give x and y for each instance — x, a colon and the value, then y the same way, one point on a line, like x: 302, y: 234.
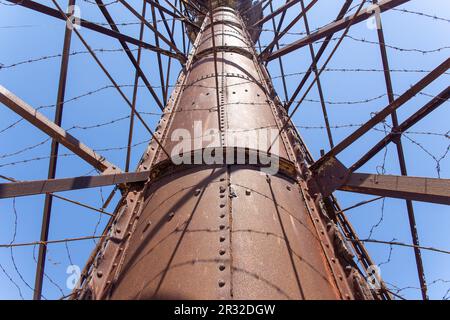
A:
x: 224, y: 230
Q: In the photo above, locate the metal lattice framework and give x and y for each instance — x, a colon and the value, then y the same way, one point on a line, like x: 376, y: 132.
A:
x: 317, y: 180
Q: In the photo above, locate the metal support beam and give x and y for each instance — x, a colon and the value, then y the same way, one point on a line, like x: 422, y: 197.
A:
x: 27, y: 188
x: 158, y: 56
x: 419, y: 86
x: 280, y: 60
x: 135, y: 92
x: 129, y: 53
x: 56, y: 132
x: 335, y: 27
x: 405, y: 125
x: 267, y: 51
x: 92, y: 26
x: 410, y: 188
x: 318, y: 83
x: 180, y: 15
x: 319, y: 54
x: 275, y: 13
x: 400, y: 154
x: 46, y: 215
x: 157, y: 33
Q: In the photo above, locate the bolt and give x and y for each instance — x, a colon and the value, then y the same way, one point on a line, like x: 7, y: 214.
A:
x: 149, y: 223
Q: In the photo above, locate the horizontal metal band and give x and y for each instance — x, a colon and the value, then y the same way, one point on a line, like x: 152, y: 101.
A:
x: 226, y: 22
x: 232, y: 49
x: 241, y: 156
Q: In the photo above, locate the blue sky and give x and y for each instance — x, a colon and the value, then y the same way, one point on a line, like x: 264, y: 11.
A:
x: 26, y: 35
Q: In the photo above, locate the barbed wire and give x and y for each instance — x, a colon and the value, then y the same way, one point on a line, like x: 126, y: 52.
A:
x: 422, y: 14
x: 59, y: 55
x: 115, y: 50
x: 398, y: 289
x: 384, y: 129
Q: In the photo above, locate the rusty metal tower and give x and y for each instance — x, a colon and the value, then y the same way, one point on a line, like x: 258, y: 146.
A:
x: 230, y: 229
x: 224, y: 230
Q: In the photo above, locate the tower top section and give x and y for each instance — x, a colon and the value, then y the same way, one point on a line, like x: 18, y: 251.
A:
x: 250, y: 11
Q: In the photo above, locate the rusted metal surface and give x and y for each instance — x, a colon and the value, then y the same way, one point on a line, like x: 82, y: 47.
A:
x: 226, y: 229
x: 223, y: 231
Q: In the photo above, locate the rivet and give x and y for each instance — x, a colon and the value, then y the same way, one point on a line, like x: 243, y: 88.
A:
x: 248, y: 192
x: 289, y: 188
x: 197, y: 192
x: 222, y: 189
x: 222, y: 227
x: 222, y: 252
x: 222, y: 267
x: 222, y: 215
x: 99, y: 274
x: 118, y: 230
x: 171, y: 215
x: 221, y: 283
x: 222, y: 238
x: 222, y: 205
